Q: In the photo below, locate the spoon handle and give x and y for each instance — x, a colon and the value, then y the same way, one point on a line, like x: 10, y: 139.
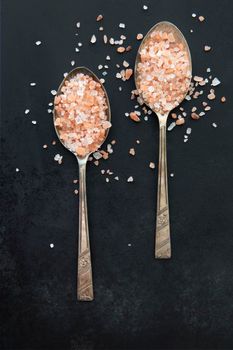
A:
x: 84, y: 278
x: 162, y: 237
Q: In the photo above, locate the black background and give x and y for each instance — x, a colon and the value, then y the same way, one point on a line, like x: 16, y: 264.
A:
x: 140, y: 303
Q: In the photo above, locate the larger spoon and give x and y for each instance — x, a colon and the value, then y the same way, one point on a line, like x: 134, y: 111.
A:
x: 84, y: 273
x: 162, y: 84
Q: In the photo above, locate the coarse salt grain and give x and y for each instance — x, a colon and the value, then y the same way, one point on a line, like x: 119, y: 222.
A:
x: 53, y: 92
x: 17, y: 170
x: 152, y: 165
x: 51, y: 245
x: 58, y: 158
x: 38, y: 43
x: 214, y: 125
x: 32, y: 84
x: 121, y: 25
x: 130, y: 179
x: 145, y: 7
x: 93, y: 39
x: 34, y: 122
x: 26, y: 111
x: 215, y: 82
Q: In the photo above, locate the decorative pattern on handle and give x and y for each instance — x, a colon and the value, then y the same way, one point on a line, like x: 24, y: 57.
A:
x: 84, y: 278
x: 162, y: 237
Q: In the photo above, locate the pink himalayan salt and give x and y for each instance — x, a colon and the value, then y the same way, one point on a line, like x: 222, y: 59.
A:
x: 81, y: 114
x: 163, y: 71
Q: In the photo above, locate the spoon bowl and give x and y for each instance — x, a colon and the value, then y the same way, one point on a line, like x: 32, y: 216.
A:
x: 84, y: 267
x: 162, y: 92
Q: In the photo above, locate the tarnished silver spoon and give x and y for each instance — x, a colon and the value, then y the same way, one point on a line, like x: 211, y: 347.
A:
x: 84, y: 273
x: 162, y: 236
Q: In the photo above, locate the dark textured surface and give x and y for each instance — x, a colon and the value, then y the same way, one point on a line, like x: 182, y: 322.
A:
x: 140, y: 303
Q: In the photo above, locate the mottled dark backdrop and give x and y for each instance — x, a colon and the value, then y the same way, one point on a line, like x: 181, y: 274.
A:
x: 140, y: 303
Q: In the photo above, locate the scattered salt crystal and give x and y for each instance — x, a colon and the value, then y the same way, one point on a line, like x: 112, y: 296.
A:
x: 78, y: 24
x: 50, y: 103
x: 214, y: 125
x: 102, y: 81
x: 53, y: 92
x: 130, y: 179
x: 58, y: 158
x: 171, y: 126
x: 120, y: 88
x: 215, y: 82
x: 34, y: 122
x: 105, y: 38
x: 132, y: 151
x: 126, y: 114
x: 107, y: 179
x: 80, y: 44
x: 104, y: 73
x: 100, y: 66
x: 188, y: 131
x: 27, y: 111
x: 72, y: 63
x: 38, y: 43
x: 76, y: 49
x: 129, y: 244
x: 45, y: 146
x: 97, y: 155
x: 201, y: 114
x: 51, y: 245
x: 146, y: 118
x: 172, y: 175
x: 75, y: 191
x: 49, y: 110
x: 65, y: 75
x: 121, y: 25
x: 152, y: 165
x: 145, y: 7
x: 116, y: 178
x: 32, y: 84
x: 93, y: 39
x: 194, y: 15
x: 108, y: 58
x: 17, y: 170
x: 208, y: 70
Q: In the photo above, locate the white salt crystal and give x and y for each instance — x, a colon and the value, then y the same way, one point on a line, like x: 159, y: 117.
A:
x: 108, y: 58
x: 145, y: 7
x: 51, y: 245
x: 130, y: 179
x: 171, y: 126
x: 116, y: 178
x: 215, y: 82
x: 97, y: 155
x: 27, y: 111
x: 93, y: 39
x: 121, y: 25
x: 17, y: 170
x: 76, y: 49
x: 188, y: 131
x: 100, y: 66
x: 38, y: 43
x: 78, y: 24
x: 34, y: 122
x: 214, y: 125
x: 53, y: 92
x: 32, y: 84
x: 58, y: 158
x: 72, y: 63
x: 194, y: 15
x: 107, y: 179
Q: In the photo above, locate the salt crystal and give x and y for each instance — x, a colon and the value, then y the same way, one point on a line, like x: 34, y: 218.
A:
x: 76, y: 49
x: 38, y: 43
x: 53, y: 92
x: 152, y: 165
x: 17, y: 170
x: 93, y: 39
x: 130, y: 179
x: 102, y: 81
x: 34, y: 122
x: 58, y: 158
x: 51, y: 245
x: 105, y: 38
x: 27, y: 111
x: 72, y: 63
x: 80, y: 44
x: 171, y: 126
x: 107, y: 179
x: 215, y: 82
x: 214, y: 125
x: 145, y: 7
x: 108, y: 58
x: 129, y: 244
x: 78, y: 24
x: 116, y: 178
x: 194, y: 15
x: 32, y: 84
x: 100, y: 66
x: 49, y: 110
x: 188, y: 131
x: 97, y: 155
x: 172, y: 175
x: 121, y: 25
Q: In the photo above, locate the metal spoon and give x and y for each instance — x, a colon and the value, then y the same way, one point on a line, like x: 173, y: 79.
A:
x: 162, y: 236
x: 84, y: 273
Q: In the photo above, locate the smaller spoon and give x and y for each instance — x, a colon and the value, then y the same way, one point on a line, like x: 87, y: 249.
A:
x: 173, y: 36
x: 84, y: 273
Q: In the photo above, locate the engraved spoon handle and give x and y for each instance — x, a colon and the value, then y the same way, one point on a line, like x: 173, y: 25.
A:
x: 84, y: 278
x: 162, y: 236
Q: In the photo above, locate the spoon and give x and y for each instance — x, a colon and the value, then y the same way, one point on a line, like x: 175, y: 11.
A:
x: 175, y: 38
x: 84, y: 273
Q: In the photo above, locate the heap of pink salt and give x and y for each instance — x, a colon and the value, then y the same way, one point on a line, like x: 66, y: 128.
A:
x: 81, y: 114
x: 163, y: 73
